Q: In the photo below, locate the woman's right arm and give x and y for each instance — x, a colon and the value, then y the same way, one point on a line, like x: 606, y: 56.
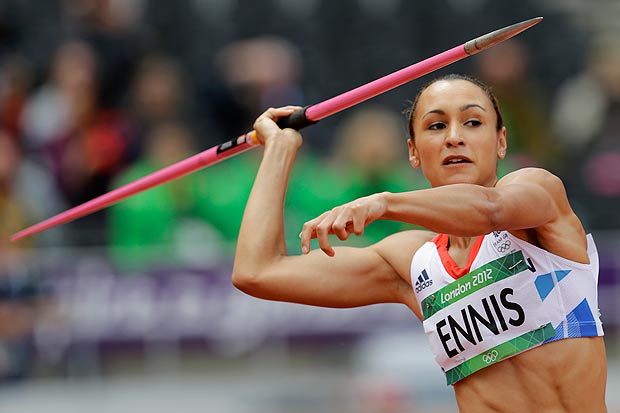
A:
x: 262, y: 268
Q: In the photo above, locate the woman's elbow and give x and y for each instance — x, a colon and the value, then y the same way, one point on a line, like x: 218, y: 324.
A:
x: 244, y: 280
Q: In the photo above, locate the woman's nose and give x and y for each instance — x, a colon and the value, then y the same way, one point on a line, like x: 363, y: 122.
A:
x: 454, y: 137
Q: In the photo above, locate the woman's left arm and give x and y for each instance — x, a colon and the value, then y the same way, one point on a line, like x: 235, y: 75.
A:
x: 529, y: 198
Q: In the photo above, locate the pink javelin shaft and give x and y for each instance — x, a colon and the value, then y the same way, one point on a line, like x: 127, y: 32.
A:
x: 391, y: 81
x: 193, y: 163
x: 297, y: 120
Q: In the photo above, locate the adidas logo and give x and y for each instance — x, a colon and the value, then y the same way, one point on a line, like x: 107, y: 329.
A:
x: 423, y: 281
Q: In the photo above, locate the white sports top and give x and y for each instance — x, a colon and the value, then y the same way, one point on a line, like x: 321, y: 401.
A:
x: 517, y: 297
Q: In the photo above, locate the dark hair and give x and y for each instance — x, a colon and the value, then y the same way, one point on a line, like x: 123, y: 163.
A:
x: 485, y: 88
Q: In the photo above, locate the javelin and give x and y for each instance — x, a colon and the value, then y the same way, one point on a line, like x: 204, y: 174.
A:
x: 297, y: 120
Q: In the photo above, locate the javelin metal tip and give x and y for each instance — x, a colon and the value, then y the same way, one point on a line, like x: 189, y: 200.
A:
x: 490, y: 39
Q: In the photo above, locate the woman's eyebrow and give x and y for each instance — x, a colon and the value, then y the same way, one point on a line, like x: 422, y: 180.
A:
x: 462, y: 109
x: 438, y: 111
x: 471, y: 105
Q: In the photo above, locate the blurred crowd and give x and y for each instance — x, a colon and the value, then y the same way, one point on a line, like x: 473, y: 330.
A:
x: 97, y: 93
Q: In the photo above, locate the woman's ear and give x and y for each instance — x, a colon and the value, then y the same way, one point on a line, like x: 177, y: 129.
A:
x: 414, y: 159
x: 502, y: 144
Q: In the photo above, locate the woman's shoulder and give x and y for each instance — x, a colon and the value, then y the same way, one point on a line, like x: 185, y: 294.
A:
x: 532, y: 175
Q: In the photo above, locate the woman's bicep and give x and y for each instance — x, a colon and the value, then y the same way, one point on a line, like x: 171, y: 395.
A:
x: 352, y: 278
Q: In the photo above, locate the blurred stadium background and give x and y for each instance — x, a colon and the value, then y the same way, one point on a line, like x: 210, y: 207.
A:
x: 132, y: 310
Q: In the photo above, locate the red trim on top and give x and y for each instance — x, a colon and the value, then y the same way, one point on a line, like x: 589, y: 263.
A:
x: 456, y: 272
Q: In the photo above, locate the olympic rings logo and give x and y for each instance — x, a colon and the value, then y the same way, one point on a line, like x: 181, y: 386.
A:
x: 490, y: 357
x: 504, y: 247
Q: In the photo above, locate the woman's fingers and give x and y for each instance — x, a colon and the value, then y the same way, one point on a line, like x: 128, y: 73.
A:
x: 342, y: 226
x: 318, y: 228
x: 322, y: 231
x: 342, y: 221
x: 277, y: 113
x: 265, y: 125
x: 337, y: 221
x: 359, y: 219
x: 308, y: 233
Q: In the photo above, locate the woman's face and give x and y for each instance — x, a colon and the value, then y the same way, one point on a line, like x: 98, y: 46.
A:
x: 456, y: 137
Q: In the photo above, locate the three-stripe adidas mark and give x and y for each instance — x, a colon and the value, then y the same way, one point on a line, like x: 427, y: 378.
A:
x: 423, y: 281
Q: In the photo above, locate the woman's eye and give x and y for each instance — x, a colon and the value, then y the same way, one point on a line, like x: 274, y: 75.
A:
x: 437, y: 126
x: 473, y: 122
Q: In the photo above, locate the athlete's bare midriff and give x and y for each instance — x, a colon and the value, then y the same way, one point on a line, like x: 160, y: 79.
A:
x: 566, y: 376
